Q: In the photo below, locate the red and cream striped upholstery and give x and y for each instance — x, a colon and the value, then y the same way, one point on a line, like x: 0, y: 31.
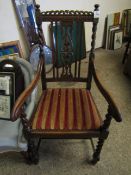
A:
x: 66, y: 109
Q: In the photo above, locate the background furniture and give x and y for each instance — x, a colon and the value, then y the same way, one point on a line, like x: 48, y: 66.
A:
x: 125, y: 23
x: 67, y: 113
x: 128, y: 45
x: 127, y: 68
x: 11, y: 137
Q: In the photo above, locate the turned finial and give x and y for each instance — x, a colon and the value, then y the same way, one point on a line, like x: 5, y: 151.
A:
x: 96, y: 11
x: 96, y: 7
x: 37, y: 7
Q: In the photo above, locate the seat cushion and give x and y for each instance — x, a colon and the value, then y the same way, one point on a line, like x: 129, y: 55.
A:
x: 66, y: 109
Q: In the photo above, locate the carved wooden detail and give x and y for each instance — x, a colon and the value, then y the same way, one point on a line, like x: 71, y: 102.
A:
x: 91, y: 55
x: 69, y: 15
x: 66, y: 52
x: 103, y: 135
x: 107, y: 120
x: 68, y: 12
x: 25, y: 123
x: 96, y: 155
x: 32, y: 156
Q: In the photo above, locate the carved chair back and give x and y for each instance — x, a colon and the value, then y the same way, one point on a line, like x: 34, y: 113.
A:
x: 67, y: 37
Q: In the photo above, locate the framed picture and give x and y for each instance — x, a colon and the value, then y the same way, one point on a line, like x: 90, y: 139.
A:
x: 10, y: 49
x: 118, y: 39
x: 7, y: 94
x: 25, y: 10
x: 111, y: 30
x: 113, y: 19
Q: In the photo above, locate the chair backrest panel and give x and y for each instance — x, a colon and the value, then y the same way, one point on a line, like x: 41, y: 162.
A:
x: 65, y: 44
x: 67, y: 36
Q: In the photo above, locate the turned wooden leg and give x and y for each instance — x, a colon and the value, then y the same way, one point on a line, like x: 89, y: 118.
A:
x: 32, y: 153
x: 38, y: 145
x: 96, y: 155
x: 104, y: 134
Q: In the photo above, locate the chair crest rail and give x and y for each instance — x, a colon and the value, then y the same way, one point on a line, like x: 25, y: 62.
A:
x: 68, y: 15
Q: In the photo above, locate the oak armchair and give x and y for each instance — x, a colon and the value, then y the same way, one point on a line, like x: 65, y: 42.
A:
x: 68, y: 113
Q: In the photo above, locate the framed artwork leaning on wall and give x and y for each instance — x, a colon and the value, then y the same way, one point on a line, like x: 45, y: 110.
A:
x: 11, y: 49
x: 118, y: 39
x: 25, y: 10
x: 7, y: 94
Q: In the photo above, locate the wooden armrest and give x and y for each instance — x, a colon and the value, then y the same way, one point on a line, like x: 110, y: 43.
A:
x: 18, y: 107
x: 112, y: 106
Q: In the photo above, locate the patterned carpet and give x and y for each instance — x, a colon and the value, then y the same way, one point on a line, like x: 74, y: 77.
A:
x: 68, y: 157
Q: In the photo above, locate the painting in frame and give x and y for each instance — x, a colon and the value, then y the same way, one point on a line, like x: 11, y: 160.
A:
x: 7, y: 94
x: 11, y: 49
x: 118, y: 39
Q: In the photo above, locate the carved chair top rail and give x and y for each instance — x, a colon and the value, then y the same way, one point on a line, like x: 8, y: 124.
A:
x: 67, y: 15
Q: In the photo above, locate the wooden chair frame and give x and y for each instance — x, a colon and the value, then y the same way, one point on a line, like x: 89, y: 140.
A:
x: 18, y: 110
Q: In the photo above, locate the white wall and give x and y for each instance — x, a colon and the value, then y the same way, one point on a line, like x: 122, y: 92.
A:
x: 9, y: 27
x: 106, y: 7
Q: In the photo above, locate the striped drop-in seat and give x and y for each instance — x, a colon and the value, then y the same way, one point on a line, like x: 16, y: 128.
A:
x: 66, y: 109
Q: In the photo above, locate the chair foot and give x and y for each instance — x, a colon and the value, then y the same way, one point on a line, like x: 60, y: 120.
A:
x: 32, y: 156
x: 32, y: 159
x: 94, y: 161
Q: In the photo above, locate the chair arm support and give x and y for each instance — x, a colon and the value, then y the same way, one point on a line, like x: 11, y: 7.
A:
x: 18, y: 106
x: 114, y: 111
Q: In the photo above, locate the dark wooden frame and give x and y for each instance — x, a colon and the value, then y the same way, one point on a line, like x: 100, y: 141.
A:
x: 18, y: 110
